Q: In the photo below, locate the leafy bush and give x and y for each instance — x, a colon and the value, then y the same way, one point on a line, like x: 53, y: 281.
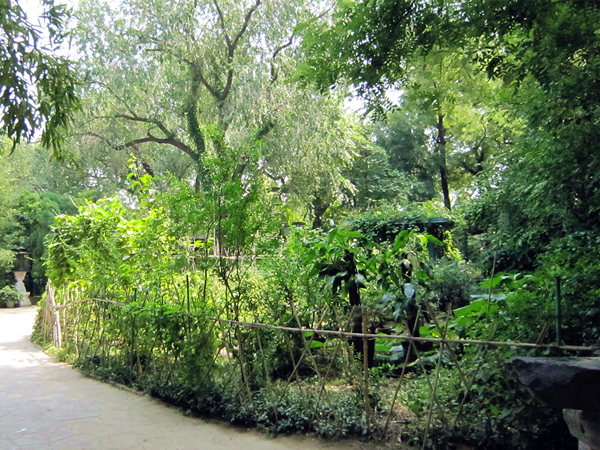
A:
x: 10, y: 294
x: 170, y: 265
x: 7, y: 261
x: 574, y: 259
x: 452, y: 284
x: 498, y: 413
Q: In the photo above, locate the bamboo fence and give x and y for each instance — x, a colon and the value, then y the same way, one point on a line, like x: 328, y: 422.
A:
x: 149, y: 346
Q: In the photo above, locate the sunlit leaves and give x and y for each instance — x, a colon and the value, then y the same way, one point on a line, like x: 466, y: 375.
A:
x: 37, y: 86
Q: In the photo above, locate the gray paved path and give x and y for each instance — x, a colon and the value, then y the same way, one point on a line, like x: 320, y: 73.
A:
x: 48, y: 405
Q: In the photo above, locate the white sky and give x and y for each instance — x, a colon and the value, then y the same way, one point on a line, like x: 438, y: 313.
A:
x: 33, y: 8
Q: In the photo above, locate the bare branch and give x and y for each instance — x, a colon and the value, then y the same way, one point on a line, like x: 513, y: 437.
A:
x: 232, y: 46
x: 471, y: 170
x: 225, y: 92
x: 114, y: 94
x: 284, y: 46
x: 134, y: 143
x: 147, y: 167
x: 274, y: 74
x: 195, y: 67
x: 244, y: 27
x: 136, y: 118
x: 200, y: 76
x: 102, y: 138
x: 170, y: 141
x: 223, y: 26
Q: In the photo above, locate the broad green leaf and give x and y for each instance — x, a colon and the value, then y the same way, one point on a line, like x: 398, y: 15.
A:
x: 474, y: 307
x: 427, y: 330
x: 331, y: 235
x: 400, y: 241
x: 329, y: 282
x: 493, y: 282
x: 355, y: 234
x: 433, y: 239
x: 316, y: 344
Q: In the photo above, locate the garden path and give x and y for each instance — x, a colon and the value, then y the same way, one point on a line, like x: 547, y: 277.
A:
x: 48, y: 405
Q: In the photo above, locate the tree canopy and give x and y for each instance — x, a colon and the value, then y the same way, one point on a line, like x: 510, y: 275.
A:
x: 38, y: 85
x: 193, y: 78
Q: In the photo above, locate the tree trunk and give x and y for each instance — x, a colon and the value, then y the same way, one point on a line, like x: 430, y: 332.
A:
x: 358, y: 313
x: 319, y: 208
x: 441, y: 147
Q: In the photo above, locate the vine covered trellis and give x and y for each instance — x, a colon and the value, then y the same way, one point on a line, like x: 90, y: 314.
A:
x: 283, y: 377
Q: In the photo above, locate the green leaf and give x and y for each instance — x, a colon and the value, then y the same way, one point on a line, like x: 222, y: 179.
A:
x: 331, y: 235
x: 505, y: 413
x: 493, y: 282
x: 427, y: 330
x: 400, y: 241
x: 329, y: 282
x: 433, y: 239
x: 355, y: 234
x: 422, y: 275
x: 477, y: 306
x: 315, y: 271
x: 317, y: 344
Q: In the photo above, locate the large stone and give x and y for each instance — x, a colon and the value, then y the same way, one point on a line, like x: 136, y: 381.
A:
x: 571, y: 383
x: 585, y: 426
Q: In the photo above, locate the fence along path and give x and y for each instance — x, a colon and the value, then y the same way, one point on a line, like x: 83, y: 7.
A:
x: 104, y: 335
x: 45, y: 405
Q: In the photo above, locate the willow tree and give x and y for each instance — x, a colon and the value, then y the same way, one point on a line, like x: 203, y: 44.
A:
x: 209, y: 79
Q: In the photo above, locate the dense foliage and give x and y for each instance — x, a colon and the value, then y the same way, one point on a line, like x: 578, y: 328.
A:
x: 219, y: 169
x: 38, y: 85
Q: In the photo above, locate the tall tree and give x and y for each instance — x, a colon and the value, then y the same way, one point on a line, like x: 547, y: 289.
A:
x: 414, y: 47
x: 549, y: 52
x: 196, y: 76
x: 547, y: 49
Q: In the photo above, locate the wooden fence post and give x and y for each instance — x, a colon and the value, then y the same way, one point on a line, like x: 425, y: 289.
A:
x: 366, y: 366
x: 55, y: 318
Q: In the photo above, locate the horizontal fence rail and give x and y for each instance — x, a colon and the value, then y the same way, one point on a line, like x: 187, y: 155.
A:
x: 404, y: 337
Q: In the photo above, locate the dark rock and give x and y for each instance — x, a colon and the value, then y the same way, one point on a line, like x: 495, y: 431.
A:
x: 572, y: 383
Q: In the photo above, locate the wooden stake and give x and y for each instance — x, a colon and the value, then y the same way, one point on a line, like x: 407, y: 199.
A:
x: 435, y: 384
x: 366, y: 367
x: 387, y: 422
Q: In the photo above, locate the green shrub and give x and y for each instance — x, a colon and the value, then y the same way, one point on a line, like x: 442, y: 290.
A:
x: 497, y: 414
x: 453, y: 284
x: 8, y: 294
